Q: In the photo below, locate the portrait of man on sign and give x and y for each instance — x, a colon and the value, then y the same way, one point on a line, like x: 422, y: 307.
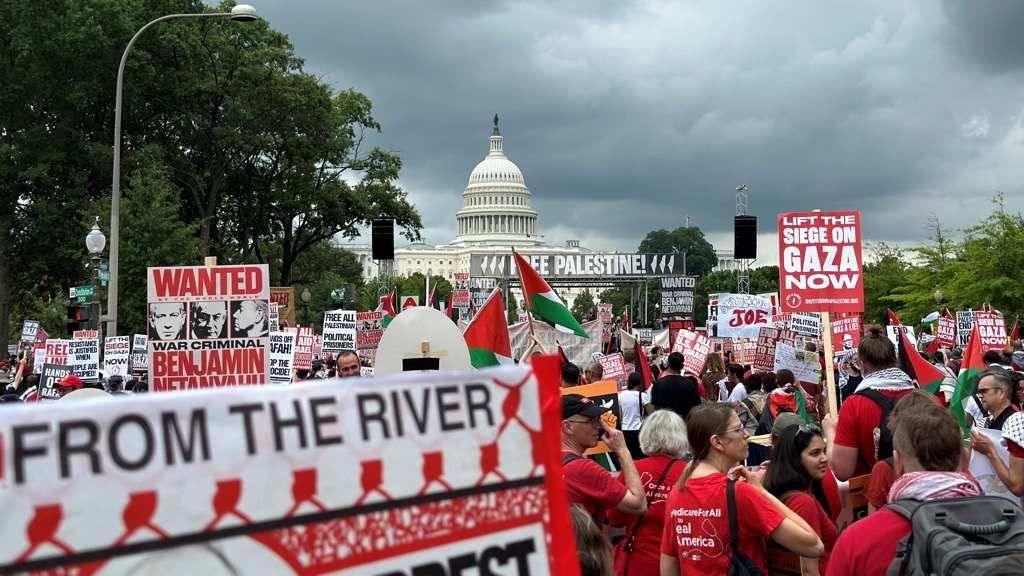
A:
x: 249, y: 318
x: 167, y: 320
x: 209, y: 320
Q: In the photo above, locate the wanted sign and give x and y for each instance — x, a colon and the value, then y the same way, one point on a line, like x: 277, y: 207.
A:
x: 84, y: 358
x: 440, y: 470
x: 282, y: 352
x: 677, y: 295
x: 339, y: 331
x: 49, y: 379
x: 742, y: 315
x: 116, y: 353
x: 821, y: 269
x: 208, y: 326
x: 369, y: 329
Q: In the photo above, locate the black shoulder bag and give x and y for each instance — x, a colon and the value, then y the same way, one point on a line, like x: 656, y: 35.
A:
x: 739, y: 564
x: 628, y: 547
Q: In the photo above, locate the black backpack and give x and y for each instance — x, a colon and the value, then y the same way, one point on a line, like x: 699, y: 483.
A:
x: 884, y: 435
x: 976, y: 536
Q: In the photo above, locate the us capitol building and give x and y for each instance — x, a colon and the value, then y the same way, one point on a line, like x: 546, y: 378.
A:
x: 496, y: 216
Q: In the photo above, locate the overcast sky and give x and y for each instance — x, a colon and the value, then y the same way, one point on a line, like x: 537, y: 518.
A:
x: 628, y: 116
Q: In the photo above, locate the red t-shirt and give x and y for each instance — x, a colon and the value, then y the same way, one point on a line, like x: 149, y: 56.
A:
x: 697, y: 525
x: 882, y: 479
x: 1015, y: 449
x: 591, y: 486
x: 646, y: 555
x: 868, y: 546
x: 804, y: 504
x: 858, y: 419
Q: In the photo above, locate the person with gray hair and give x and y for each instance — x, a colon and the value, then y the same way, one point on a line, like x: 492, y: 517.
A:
x: 995, y: 392
x: 663, y: 439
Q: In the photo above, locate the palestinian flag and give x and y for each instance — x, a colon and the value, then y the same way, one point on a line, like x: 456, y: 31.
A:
x: 487, y: 334
x: 386, y: 304
x: 643, y: 366
x: 542, y: 302
x: 971, y: 367
x: 1014, y: 333
x: 928, y: 377
x: 894, y: 320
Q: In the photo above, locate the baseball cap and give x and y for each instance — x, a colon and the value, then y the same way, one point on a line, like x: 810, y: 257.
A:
x: 785, y: 420
x: 71, y: 381
x: 573, y: 404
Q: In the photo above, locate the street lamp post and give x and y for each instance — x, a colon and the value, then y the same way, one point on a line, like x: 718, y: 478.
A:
x: 95, y: 241
x: 240, y: 13
x: 306, y: 297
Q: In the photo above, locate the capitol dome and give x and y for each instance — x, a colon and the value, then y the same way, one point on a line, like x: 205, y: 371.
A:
x: 496, y: 202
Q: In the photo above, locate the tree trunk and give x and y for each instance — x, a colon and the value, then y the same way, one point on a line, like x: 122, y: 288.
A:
x: 287, y: 258
x: 5, y: 301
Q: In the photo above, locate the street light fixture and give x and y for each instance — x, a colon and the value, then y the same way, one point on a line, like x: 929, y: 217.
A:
x: 95, y: 242
x: 938, y: 295
x: 240, y: 13
x: 306, y: 297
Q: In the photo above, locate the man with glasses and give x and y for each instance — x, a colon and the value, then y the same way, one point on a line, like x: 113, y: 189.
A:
x: 587, y: 483
x: 995, y: 389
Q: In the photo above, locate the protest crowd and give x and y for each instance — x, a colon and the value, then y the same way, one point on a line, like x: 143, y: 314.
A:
x: 810, y: 445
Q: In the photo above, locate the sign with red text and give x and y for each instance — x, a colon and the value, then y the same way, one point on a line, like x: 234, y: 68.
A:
x: 304, y: 342
x: 282, y: 354
x: 284, y: 297
x: 369, y: 329
x: 116, y: 353
x: 946, y: 331
x: 695, y: 348
x: 764, y: 351
x: 742, y: 315
x: 613, y: 367
x: 743, y: 351
x: 460, y: 291
x: 85, y: 334
x: 248, y: 481
x: 821, y: 268
x: 992, y: 330
x: 207, y: 326
x: 57, y: 351
x: 846, y: 331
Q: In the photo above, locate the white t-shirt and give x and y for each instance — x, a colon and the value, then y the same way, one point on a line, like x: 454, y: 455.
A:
x: 739, y: 392
x: 629, y: 405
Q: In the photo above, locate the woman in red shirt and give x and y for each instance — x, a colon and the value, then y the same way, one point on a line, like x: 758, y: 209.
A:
x: 663, y: 439
x: 798, y: 465
x: 697, y: 538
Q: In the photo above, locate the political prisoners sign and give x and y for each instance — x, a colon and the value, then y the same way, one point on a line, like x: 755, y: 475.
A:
x: 441, y: 470
x: 820, y: 267
x: 677, y: 295
x: 206, y: 328
x: 339, y: 331
x: 573, y: 265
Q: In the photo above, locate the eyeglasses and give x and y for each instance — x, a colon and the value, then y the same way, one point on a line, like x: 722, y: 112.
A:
x: 593, y: 422
x: 739, y: 428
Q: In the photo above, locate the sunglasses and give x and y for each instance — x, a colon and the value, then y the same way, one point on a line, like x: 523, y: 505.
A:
x: 807, y: 430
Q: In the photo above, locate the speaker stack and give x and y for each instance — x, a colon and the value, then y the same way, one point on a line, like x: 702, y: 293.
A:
x: 383, y: 234
x: 745, y: 238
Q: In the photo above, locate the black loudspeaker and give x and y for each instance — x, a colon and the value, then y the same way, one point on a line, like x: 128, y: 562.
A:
x: 383, y: 233
x: 745, y: 238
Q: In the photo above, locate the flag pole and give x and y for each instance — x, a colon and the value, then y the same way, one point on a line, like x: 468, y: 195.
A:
x: 830, y: 378
x: 526, y: 301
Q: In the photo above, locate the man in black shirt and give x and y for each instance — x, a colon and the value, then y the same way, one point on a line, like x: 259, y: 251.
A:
x: 673, y: 391
x: 994, y: 390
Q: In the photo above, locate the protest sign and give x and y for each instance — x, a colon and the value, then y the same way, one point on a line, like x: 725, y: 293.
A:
x: 603, y: 392
x: 282, y: 352
x: 742, y: 315
x: 803, y: 364
x: 743, y: 351
x: 712, y: 321
x: 369, y: 329
x: 207, y: 326
x: 604, y: 312
x: 992, y: 330
x: 29, y: 329
x: 982, y: 470
x: 772, y: 297
x: 946, y: 331
x: 644, y: 335
x: 49, y: 377
x: 139, y: 360
x: 460, y: 296
x: 695, y: 348
x: 964, y: 325
x: 303, y: 348
x: 613, y: 367
x: 806, y: 324
x: 339, y: 331
x: 84, y: 358
x: 408, y: 301
x: 821, y: 266
x: 480, y: 289
x: 440, y: 470
x: 274, y: 316
x: 318, y: 346
x: 38, y: 356
x: 846, y: 331
x: 284, y: 297
x: 57, y: 351
x: 116, y: 352
x: 894, y: 331
x: 764, y: 352
x: 85, y: 335
x: 677, y: 295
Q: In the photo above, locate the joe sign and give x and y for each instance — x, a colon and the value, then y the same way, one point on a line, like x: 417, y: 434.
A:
x: 821, y: 267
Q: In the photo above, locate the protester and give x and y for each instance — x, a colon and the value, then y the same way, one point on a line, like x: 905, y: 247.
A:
x: 862, y: 437
x: 663, y: 439
x: 570, y: 375
x: 750, y: 408
x: 948, y: 385
x: 995, y: 390
x: 1012, y: 475
x: 798, y: 465
x: 592, y: 546
x: 697, y: 535
x: 586, y: 482
x: 594, y: 372
x: 853, y: 376
x: 634, y: 405
x: 733, y: 379
x: 673, y: 391
x: 714, y: 371
x: 769, y: 382
x: 926, y: 454
x: 348, y: 364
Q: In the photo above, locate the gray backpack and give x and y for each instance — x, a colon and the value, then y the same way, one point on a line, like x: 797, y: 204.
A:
x: 981, y: 535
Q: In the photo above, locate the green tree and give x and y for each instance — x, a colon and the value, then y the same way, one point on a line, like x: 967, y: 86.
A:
x: 884, y: 273
x: 700, y: 254
x: 513, y: 309
x: 583, y: 306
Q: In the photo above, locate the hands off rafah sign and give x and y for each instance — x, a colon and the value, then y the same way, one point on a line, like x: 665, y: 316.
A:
x: 821, y: 269
x: 208, y: 326
x: 441, y: 470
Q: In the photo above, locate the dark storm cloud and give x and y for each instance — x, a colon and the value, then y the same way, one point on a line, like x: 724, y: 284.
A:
x: 629, y: 116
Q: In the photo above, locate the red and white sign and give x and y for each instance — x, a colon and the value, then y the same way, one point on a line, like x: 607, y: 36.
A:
x: 613, y: 367
x: 743, y: 351
x: 409, y: 302
x: 846, y: 331
x: 305, y: 341
x: 248, y: 481
x: 57, y: 351
x: 208, y: 326
x: 946, y: 331
x: 695, y: 348
x: 85, y: 335
x: 369, y: 329
x: 764, y: 352
x: 821, y: 268
x: 742, y: 315
x: 116, y: 351
x: 460, y: 290
x: 992, y: 330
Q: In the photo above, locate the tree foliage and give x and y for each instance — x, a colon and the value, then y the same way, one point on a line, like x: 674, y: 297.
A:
x: 583, y: 307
